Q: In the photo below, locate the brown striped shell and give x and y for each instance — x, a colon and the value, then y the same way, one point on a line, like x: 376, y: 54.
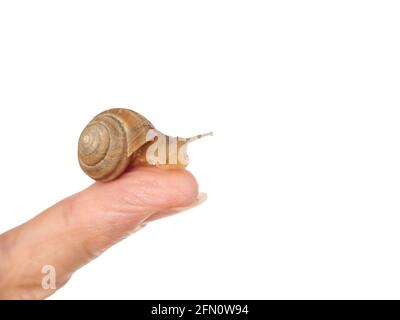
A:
x: 109, y: 141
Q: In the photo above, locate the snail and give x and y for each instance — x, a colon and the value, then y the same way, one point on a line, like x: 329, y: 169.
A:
x: 120, y: 138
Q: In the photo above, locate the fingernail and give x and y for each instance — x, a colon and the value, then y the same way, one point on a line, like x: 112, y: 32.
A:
x: 140, y: 226
x: 201, y: 198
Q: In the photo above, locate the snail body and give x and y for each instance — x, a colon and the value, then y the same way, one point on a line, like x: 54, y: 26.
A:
x: 119, y: 138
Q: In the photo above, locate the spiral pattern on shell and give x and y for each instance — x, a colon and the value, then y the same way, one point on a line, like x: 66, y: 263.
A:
x: 102, y: 149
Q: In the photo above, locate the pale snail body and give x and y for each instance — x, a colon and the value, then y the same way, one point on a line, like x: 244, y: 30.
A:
x: 118, y: 138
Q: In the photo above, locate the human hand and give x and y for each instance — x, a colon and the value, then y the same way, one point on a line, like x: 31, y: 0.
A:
x: 77, y: 229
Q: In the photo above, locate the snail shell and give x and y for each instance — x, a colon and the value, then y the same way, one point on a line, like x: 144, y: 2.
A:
x: 108, y: 142
x: 118, y: 138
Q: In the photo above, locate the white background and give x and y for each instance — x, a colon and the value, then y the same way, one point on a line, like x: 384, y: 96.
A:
x: 303, y: 173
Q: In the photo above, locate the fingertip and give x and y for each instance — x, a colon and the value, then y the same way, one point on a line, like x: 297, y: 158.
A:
x: 167, y: 188
x: 183, y: 187
x: 147, y: 190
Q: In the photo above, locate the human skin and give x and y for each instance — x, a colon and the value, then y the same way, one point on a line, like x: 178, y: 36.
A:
x: 77, y: 229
